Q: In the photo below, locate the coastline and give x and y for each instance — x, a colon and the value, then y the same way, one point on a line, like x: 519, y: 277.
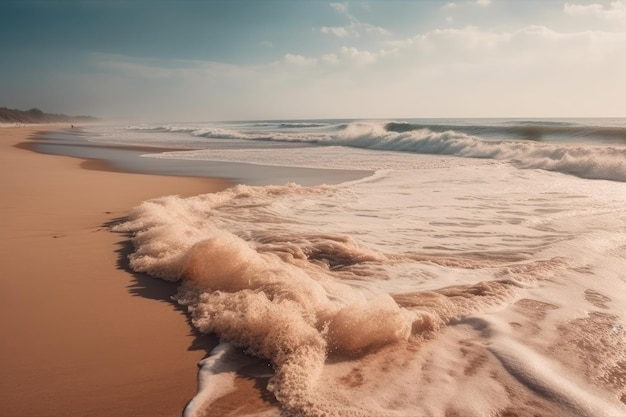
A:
x: 82, y: 335
x: 129, y: 158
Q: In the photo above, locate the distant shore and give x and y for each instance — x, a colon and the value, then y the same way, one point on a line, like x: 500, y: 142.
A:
x: 81, y: 335
x: 34, y: 116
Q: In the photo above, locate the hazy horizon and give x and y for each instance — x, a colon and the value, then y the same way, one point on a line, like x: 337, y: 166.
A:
x: 259, y: 60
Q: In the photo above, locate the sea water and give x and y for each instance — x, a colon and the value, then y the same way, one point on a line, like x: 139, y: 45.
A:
x: 479, y: 270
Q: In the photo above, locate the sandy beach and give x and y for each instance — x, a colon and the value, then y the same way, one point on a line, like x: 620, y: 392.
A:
x: 81, y: 335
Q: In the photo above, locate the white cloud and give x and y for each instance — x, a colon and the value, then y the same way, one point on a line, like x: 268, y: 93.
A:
x: 532, y: 71
x: 330, y: 59
x: 340, y: 7
x: 444, y: 72
x: 267, y: 44
x: 468, y: 38
x: 453, y: 5
x: 338, y: 31
x: 358, y: 57
x: 299, y: 60
x: 530, y: 47
x: 531, y: 39
x: 615, y: 11
x: 375, y: 29
x: 355, y: 28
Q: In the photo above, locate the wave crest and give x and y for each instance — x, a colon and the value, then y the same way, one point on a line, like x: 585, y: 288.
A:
x: 592, y: 162
x: 583, y: 160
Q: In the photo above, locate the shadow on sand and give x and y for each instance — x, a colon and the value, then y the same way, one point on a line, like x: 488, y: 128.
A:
x: 142, y: 285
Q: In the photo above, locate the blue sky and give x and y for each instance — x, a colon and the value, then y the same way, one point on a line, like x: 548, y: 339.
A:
x: 192, y: 60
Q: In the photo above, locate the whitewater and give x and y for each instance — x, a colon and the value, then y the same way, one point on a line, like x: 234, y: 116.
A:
x: 478, y: 269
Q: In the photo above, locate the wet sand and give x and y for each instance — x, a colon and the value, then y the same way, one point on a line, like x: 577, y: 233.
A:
x: 82, y: 336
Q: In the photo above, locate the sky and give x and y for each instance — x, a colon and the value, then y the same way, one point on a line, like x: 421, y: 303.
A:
x: 193, y: 60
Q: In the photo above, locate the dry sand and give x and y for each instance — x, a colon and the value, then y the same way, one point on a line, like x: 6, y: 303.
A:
x: 81, y: 336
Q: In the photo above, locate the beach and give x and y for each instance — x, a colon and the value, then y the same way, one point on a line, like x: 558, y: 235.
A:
x: 416, y: 267
x: 82, y: 336
x: 312, y: 209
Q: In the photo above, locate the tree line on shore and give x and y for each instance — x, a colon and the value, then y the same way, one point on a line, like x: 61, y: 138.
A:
x: 35, y: 115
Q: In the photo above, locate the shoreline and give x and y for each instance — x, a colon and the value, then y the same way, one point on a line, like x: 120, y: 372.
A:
x: 83, y: 335
x: 128, y: 158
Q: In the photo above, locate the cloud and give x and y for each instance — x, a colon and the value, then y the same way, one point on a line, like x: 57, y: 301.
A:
x: 358, y: 57
x: 534, y: 43
x: 375, y: 29
x: 338, y: 31
x: 615, y: 11
x: 330, y: 59
x: 456, y: 71
x: 267, y: 44
x: 531, y: 71
x: 299, y: 60
x: 345, y: 59
x: 355, y: 28
x: 437, y: 40
x: 340, y: 7
x: 453, y: 5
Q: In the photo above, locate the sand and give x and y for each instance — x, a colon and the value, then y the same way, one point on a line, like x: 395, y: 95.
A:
x: 81, y: 335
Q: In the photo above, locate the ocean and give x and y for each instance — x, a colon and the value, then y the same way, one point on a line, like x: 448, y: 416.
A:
x: 457, y: 267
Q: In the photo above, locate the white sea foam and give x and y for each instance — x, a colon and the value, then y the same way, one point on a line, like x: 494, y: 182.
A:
x: 445, y: 289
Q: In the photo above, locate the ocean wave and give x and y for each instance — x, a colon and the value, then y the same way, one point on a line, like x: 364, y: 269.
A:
x: 522, y: 130
x: 289, y: 125
x: 300, y: 125
x: 586, y: 161
x: 277, y: 296
x: 300, y: 277
x: 207, y: 132
x: 286, y: 295
x: 606, y: 162
x: 216, y: 132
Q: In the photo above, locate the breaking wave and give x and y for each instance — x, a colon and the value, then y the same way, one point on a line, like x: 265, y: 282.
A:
x: 522, y: 130
x: 586, y: 161
x: 591, y: 161
x: 339, y: 292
